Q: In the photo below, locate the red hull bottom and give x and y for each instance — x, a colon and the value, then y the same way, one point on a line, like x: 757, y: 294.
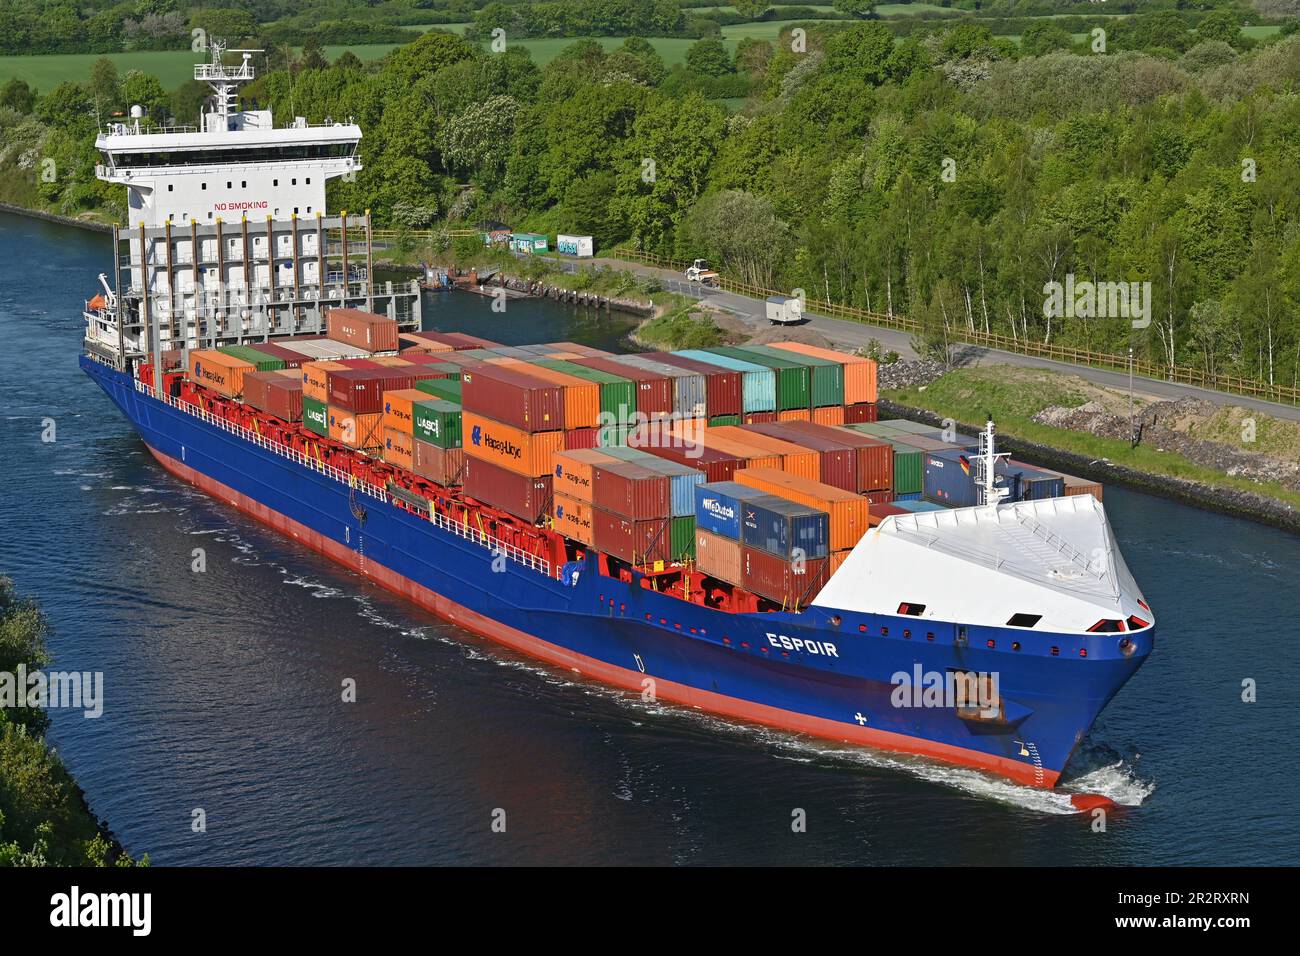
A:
x: 600, y: 670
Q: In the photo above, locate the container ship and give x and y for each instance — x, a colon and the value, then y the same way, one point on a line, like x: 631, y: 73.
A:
x: 729, y: 529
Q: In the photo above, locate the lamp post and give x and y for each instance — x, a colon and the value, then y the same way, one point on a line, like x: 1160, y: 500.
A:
x: 1132, y: 426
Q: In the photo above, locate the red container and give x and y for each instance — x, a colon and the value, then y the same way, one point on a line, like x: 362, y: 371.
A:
x: 581, y: 438
x: 860, y: 413
x: 577, y: 349
x: 636, y: 542
x: 716, y: 465
x: 360, y: 363
x: 443, y: 466
x: 458, y: 341
x: 434, y: 363
x: 519, y: 495
x: 722, y: 387
x: 838, y: 459
x: 274, y: 393
x: 777, y: 580
x: 875, y: 458
x: 882, y: 511
x: 631, y: 491
x: 361, y: 390
x: 879, y: 497
x: 365, y: 330
x: 759, y: 418
x: 507, y: 395
x: 289, y: 357
x: 654, y: 392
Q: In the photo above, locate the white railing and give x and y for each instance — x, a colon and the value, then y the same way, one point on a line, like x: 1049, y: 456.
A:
x: 463, y: 530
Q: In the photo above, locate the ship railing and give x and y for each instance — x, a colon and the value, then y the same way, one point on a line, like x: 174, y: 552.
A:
x: 463, y: 530
x: 1055, y: 541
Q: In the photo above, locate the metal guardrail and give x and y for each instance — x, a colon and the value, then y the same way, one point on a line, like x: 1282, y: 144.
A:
x: 1182, y: 375
x: 474, y: 535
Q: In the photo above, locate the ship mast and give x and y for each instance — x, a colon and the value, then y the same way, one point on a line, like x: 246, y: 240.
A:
x: 985, y: 467
x: 224, y: 80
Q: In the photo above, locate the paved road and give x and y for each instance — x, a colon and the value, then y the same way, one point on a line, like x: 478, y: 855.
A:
x: 857, y: 335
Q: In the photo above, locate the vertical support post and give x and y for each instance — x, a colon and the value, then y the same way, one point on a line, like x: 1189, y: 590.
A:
x: 223, y: 300
x: 150, y: 318
x: 248, y: 269
x: 200, y: 310
x: 270, y: 273
x: 344, y: 220
x: 370, y: 265
x: 320, y: 268
x: 171, y: 282
x: 117, y: 292
x: 297, y: 278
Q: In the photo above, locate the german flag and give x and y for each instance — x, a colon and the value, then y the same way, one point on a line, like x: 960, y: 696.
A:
x: 965, y: 464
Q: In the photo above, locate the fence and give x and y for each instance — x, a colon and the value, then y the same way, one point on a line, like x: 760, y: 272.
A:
x: 1180, y: 374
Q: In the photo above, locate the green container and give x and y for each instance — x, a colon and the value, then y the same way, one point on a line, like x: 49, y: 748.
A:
x: 909, y: 461
x: 717, y: 421
x: 263, y: 362
x: 447, y: 389
x: 612, y: 436
x: 876, y: 430
x: 315, y: 416
x: 826, y: 377
x: 792, y: 378
x: 617, y: 394
x: 681, y: 538
x: 627, y: 454
x: 481, y: 354
x: 437, y: 422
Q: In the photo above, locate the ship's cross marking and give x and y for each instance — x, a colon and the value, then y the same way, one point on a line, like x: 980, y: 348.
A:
x: 862, y: 721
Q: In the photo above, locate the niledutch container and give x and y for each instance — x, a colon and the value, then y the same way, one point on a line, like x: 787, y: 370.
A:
x: 508, y: 395
x: 784, y: 528
x: 516, y: 450
x: 365, y: 330
x: 574, y: 471
x: 222, y: 373
x: 757, y: 382
x: 437, y: 422
x: 636, y: 542
x: 859, y: 372
x: 524, y: 496
x: 718, y: 507
x: 626, y: 489
x: 848, y: 512
x: 792, y: 584
x: 275, y: 393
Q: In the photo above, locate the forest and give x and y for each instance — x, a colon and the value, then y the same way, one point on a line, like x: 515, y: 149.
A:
x: 950, y: 175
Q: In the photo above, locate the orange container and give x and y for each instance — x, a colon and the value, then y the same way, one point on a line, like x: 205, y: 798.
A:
x: 524, y: 453
x: 690, y: 430
x: 794, y: 415
x: 392, y: 361
x: 859, y: 372
x: 573, y: 471
x: 717, y: 556
x: 797, y: 460
x: 356, y: 431
x: 581, y: 397
x: 837, y: 559
x: 315, y: 379
x: 398, y: 410
x: 572, y: 518
x: 829, y: 415
x: 849, y: 513
x: 398, y: 448
x: 219, y: 372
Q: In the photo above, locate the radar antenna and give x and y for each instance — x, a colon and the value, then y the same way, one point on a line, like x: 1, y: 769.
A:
x: 986, y: 467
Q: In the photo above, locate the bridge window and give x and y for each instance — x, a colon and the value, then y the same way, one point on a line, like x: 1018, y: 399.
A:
x: 1107, y: 626
x: 1136, y: 623
x: 1024, y: 620
x: 911, y: 610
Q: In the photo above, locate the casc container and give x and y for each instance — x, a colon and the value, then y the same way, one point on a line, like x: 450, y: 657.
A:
x: 875, y: 456
x: 837, y: 460
x: 581, y: 397
x: 315, y: 415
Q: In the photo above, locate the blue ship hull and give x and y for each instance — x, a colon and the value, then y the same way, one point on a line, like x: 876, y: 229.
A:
x: 820, y: 672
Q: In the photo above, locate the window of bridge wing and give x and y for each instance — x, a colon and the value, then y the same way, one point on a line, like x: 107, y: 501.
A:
x: 1024, y: 620
x: 911, y: 610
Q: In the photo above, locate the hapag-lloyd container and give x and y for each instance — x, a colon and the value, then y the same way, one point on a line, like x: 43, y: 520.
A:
x: 654, y: 392
x: 847, y: 512
x: 718, y: 507
x: 796, y: 459
x: 859, y: 372
x: 617, y: 393
x: 398, y: 448
x: 365, y: 330
x: 792, y: 376
x: 783, y: 527
x: 636, y: 542
x: 723, y: 387
x: 837, y: 463
x: 757, y: 382
x: 792, y: 584
x: 875, y: 456
x: 361, y: 390
x: 825, y: 377
x: 524, y: 496
x: 572, y: 518
x: 222, y: 373
x: 507, y: 394
x: 524, y: 453
x: 631, y: 491
x: 689, y: 393
x: 573, y: 471
x: 437, y: 422
x: 444, y: 466
x: 718, y: 557
x: 275, y: 393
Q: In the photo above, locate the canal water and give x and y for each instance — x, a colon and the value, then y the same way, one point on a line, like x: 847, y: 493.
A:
x: 223, y: 688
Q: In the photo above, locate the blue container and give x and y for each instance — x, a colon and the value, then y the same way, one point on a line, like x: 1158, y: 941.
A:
x: 948, y: 479
x: 916, y: 505
x: 682, y: 479
x: 757, y: 382
x: 909, y: 496
x: 1036, y: 485
x: 783, y: 528
x: 718, y: 507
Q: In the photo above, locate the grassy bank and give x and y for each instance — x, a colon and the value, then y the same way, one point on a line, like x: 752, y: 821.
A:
x: 1013, y: 396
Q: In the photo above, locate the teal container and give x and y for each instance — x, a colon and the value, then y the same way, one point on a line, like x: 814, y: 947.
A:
x: 826, y: 378
x: 757, y: 382
x: 792, y: 378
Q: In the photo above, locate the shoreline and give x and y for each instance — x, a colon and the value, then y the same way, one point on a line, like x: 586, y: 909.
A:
x: 1237, y: 504
x: 56, y: 218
